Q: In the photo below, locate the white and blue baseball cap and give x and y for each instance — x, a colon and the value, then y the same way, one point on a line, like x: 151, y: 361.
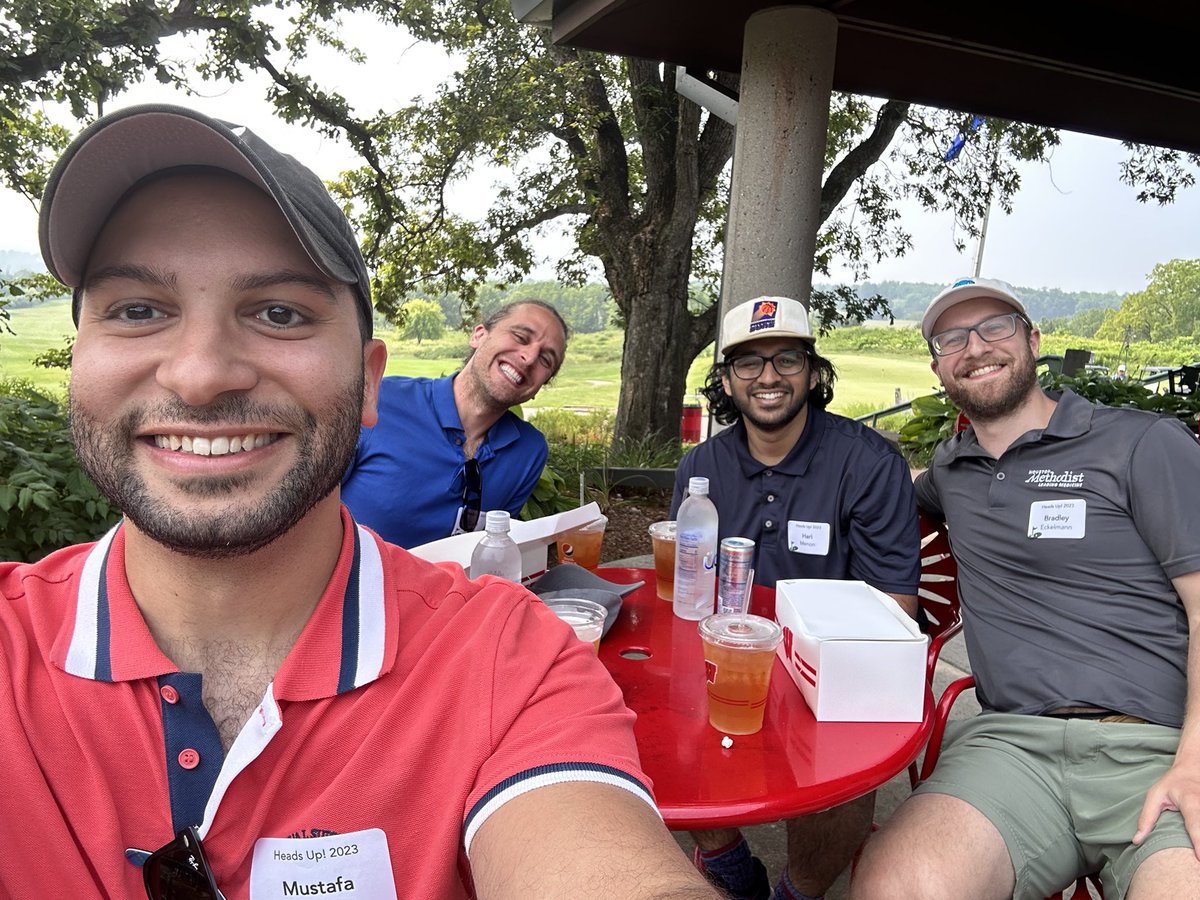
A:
x: 969, y: 289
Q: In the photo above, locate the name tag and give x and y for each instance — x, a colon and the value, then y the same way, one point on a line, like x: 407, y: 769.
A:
x: 1058, y: 519
x: 355, y: 865
x: 809, y: 537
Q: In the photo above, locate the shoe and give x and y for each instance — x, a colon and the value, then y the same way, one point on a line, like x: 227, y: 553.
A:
x: 760, y: 887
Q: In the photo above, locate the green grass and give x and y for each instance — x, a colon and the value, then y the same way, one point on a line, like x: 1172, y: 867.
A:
x: 590, y: 377
x: 38, y: 329
x: 866, y: 383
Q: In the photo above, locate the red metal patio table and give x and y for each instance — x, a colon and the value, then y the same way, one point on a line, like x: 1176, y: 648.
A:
x: 795, y: 765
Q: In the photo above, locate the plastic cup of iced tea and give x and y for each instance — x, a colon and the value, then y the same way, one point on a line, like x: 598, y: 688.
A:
x: 582, y: 545
x: 662, y: 536
x: 739, y: 652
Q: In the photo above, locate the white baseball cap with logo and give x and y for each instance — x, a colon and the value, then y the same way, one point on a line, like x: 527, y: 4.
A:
x: 764, y: 317
x: 969, y: 289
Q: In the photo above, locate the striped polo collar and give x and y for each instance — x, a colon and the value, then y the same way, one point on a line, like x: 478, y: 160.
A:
x: 345, y: 644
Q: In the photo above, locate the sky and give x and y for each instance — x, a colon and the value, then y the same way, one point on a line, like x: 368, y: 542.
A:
x: 1074, y: 226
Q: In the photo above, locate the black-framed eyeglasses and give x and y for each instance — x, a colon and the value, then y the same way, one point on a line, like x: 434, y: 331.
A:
x: 472, y: 498
x: 786, y: 362
x: 955, y: 340
x: 179, y: 870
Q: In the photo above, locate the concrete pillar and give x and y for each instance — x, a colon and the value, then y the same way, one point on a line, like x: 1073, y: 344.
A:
x: 779, y: 154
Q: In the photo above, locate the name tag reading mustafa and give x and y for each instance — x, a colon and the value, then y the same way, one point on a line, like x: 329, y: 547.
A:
x: 352, y: 865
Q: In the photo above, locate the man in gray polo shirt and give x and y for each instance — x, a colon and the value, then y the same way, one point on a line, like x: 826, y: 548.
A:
x: 1077, y: 534
x: 822, y: 496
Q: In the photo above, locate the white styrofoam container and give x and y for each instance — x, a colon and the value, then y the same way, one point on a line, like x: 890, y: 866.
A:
x: 853, y: 652
x: 533, y: 537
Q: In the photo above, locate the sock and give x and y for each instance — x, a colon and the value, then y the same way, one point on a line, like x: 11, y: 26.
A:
x: 732, y: 864
x: 785, y: 890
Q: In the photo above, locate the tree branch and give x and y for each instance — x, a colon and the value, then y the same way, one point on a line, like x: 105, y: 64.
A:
x: 891, y: 116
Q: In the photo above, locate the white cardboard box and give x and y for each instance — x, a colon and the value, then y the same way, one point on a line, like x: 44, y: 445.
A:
x: 533, y: 537
x: 853, y: 652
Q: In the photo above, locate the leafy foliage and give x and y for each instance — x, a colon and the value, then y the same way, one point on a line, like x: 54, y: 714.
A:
x: 932, y: 421
x: 1168, y: 308
x: 600, y: 147
x: 605, y: 150
x: 550, y: 495
x: 581, y: 455
x: 934, y: 417
x: 586, y: 308
x: 46, y: 501
x: 423, y: 320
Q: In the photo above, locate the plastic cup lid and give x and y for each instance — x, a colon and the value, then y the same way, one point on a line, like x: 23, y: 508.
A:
x: 576, y: 610
x: 664, y: 531
x: 749, y: 632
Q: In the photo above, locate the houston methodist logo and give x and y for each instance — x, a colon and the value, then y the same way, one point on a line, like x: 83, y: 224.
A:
x: 762, y: 314
x: 1048, y: 478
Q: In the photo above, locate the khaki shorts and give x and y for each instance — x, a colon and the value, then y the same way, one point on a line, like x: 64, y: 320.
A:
x: 1065, y: 794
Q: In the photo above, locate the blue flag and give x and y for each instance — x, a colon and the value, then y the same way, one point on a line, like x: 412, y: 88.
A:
x: 960, y: 139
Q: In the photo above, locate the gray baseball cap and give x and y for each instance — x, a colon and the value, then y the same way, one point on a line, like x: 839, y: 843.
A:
x: 118, y: 151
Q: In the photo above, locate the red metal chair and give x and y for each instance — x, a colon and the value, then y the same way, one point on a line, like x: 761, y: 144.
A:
x: 938, y: 596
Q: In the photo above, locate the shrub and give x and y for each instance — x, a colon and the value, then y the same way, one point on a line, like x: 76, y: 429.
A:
x: 46, y: 502
x: 581, y: 456
x: 550, y: 495
x: 565, y: 426
x: 934, y: 417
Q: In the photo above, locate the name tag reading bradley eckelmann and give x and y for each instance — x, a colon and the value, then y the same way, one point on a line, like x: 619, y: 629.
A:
x: 353, y: 865
x: 1063, y: 519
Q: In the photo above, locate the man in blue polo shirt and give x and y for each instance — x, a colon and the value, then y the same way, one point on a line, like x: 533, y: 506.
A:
x: 447, y: 449
x: 822, y: 496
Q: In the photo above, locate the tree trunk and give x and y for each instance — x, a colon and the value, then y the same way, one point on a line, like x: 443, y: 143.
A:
x: 661, y: 339
x: 654, y: 365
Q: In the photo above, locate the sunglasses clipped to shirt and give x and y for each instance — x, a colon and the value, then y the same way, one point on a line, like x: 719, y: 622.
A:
x: 179, y: 870
x: 472, y: 498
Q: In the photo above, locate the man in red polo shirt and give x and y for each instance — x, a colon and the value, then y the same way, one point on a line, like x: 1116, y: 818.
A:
x: 238, y: 691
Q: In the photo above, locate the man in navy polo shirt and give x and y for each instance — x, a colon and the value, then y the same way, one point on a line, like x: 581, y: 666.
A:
x: 822, y: 496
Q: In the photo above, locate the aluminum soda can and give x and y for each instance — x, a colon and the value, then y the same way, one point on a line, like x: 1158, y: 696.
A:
x: 735, y: 576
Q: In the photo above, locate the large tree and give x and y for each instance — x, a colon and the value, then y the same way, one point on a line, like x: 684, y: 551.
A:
x: 600, y: 145
x: 640, y: 177
x: 1168, y: 308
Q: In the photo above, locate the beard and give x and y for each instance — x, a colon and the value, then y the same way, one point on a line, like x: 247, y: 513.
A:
x: 324, y: 450
x: 988, y: 407
x: 492, y: 389
x: 778, y: 420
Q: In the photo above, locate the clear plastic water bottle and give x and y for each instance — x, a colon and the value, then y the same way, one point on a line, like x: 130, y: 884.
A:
x: 695, y: 553
x: 497, y: 553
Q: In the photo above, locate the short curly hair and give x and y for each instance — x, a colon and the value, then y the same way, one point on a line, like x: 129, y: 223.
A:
x: 721, y: 406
